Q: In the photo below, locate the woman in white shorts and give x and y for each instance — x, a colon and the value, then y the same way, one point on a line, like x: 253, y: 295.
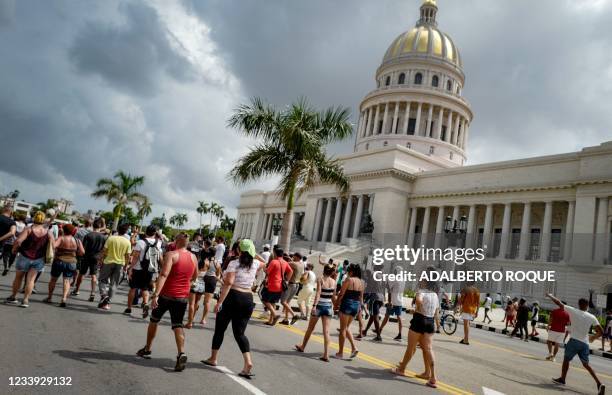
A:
x: 309, y: 285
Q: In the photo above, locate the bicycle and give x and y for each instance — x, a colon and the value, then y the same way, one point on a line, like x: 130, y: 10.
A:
x: 449, y: 321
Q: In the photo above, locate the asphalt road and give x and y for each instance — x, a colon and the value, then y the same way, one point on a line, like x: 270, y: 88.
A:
x: 96, y: 349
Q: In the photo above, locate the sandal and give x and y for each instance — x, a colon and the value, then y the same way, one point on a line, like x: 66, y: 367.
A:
x: 207, y: 362
x: 398, y: 372
x: 246, y: 375
x: 323, y: 359
x: 62, y: 304
x: 91, y: 298
x: 298, y: 348
x: 354, y: 354
x: 431, y: 385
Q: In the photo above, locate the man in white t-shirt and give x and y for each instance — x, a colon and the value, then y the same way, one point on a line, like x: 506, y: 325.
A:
x: 146, y: 252
x: 487, y: 306
x: 395, y: 302
x: 219, y: 250
x: 266, y: 253
x: 579, y: 341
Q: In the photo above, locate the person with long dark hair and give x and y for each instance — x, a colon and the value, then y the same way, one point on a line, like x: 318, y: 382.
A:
x: 324, y: 299
x: 236, y: 305
x: 349, y: 301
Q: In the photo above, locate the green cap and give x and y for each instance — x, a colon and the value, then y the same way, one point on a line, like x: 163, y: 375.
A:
x: 247, y: 246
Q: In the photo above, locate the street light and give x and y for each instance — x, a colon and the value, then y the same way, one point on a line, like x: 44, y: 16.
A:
x: 276, y: 227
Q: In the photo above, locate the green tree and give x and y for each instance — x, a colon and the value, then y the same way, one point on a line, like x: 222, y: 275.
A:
x: 292, y: 146
x: 179, y: 219
x: 212, y: 209
x: 218, y: 213
x: 45, y: 206
x: 14, y: 195
x: 228, y: 223
x: 202, y: 209
x: 144, y: 209
x: 121, y: 190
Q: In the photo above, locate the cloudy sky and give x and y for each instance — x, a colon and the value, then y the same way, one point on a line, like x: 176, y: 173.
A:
x: 90, y: 87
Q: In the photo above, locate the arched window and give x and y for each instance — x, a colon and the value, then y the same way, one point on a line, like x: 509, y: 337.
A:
x: 458, y: 90
x: 388, y: 81
x: 435, y: 81
x: 401, y: 79
x: 418, y: 79
x: 449, y: 85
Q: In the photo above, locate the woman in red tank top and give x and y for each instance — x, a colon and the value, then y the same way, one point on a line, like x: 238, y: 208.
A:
x: 178, y: 282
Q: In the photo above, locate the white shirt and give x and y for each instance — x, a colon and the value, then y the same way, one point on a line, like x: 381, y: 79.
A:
x: 311, y: 280
x: 266, y: 256
x: 244, y: 277
x: 430, y: 303
x: 487, y: 302
x: 581, y: 323
x: 219, y: 252
x: 141, y: 246
x: 396, y: 289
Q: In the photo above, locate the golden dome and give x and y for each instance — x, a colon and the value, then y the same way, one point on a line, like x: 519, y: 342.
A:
x: 432, y: 2
x: 422, y: 41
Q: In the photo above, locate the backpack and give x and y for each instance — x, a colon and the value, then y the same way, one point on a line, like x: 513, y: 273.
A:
x: 151, y: 257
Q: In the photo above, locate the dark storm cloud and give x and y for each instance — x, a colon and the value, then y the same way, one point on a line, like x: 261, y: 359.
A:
x: 538, y: 73
x: 130, y: 55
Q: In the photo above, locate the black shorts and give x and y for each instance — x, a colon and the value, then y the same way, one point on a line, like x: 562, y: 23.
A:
x: 270, y: 297
x: 210, y: 284
x: 141, y: 279
x: 176, y: 306
x: 421, y: 324
x: 88, y: 264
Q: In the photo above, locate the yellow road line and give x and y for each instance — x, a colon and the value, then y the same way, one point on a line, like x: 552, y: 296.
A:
x: 379, y: 362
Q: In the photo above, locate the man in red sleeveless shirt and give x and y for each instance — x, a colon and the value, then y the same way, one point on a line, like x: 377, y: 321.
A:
x: 180, y: 269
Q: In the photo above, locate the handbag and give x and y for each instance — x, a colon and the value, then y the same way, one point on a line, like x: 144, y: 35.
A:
x: 50, y: 253
x: 284, y: 283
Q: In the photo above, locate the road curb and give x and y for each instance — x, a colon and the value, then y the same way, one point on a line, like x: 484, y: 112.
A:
x: 488, y: 328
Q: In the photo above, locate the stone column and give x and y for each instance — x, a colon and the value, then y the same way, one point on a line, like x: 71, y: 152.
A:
x: 438, y: 134
x: 429, y: 118
x: 395, y: 116
x: 406, y: 118
x: 358, y: 214
x: 375, y: 128
x: 569, y: 231
x: 368, y: 122
x: 336, y: 227
x: 486, y: 234
x: 525, y: 231
x: 412, y: 227
x: 455, y: 214
x: 417, y: 127
x: 317, y: 220
x: 371, y: 204
x: 439, y: 228
x: 503, y: 245
x: 457, y: 122
x: 360, y: 124
x: 546, y: 230
x: 385, y: 119
x: 469, y: 240
x: 347, y: 218
x: 601, y: 231
x: 449, y: 126
x: 425, y: 228
x: 327, y: 219
x: 465, y: 133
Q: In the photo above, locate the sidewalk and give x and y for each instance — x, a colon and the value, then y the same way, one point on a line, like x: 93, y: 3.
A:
x: 498, y: 326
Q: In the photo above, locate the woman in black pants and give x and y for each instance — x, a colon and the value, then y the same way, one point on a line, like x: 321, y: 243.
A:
x: 236, y: 305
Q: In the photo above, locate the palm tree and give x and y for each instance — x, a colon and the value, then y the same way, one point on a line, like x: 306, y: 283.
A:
x: 212, y: 209
x: 219, y: 213
x: 14, y: 195
x: 121, y: 190
x: 144, y: 209
x: 228, y: 223
x: 178, y: 219
x: 292, y: 146
x: 45, y: 206
x: 202, y: 209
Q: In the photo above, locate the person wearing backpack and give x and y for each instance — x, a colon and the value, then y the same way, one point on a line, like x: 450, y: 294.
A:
x: 144, y: 263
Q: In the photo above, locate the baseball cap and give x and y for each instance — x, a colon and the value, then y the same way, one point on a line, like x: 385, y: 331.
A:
x: 247, y: 246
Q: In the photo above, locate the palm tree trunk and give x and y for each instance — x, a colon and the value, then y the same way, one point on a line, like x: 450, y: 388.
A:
x: 288, y: 219
x: 118, y: 211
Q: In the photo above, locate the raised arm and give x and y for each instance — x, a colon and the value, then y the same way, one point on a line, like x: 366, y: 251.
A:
x: 555, y: 300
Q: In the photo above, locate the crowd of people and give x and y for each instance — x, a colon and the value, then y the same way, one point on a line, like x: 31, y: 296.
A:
x: 179, y: 275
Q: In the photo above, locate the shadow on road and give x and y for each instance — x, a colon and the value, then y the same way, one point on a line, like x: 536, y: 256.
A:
x: 90, y: 356
x: 547, y: 386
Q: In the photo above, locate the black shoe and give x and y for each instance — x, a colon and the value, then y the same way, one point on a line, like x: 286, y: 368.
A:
x: 62, y: 304
x: 601, y: 390
x: 181, y: 361
x: 145, y: 311
x: 398, y: 338
x: 144, y: 353
x: 284, y: 322
x: 103, y: 303
x: 74, y: 293
x: 91, y: 298
x: 559, y: 381
x: 377, y: 339
x: 294, y: 319
x: 127, y: 311
x: 5, y: 272
x: 11, y: 300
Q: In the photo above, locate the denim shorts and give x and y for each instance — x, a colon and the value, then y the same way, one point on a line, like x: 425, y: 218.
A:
x: 350, y: 307
x: 574, y: 347
x: 323, y: 311
x: 24, y: 264
x: 59, y: 268
x: 394, y: 310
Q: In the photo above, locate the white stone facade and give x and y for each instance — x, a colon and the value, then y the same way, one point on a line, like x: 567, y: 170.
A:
x: 545, y: 213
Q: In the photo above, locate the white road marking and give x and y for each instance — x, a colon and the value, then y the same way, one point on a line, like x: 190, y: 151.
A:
x: 250, y: 387
x: 489, y: 391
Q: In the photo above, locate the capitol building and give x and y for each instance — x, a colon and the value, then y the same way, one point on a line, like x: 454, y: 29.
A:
x: 409, y: 184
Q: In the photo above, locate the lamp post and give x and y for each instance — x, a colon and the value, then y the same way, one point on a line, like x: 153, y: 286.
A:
x: 276, y: 227
x: 455, y: 235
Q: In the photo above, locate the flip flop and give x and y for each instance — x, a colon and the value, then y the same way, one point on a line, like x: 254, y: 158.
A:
x: 247, y: 376
x: 354, y: 354
x: 397, y: 372
x: 431, y: 385
x: 324, y: 359
x: 207, y: 362
x: 298, y: 348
